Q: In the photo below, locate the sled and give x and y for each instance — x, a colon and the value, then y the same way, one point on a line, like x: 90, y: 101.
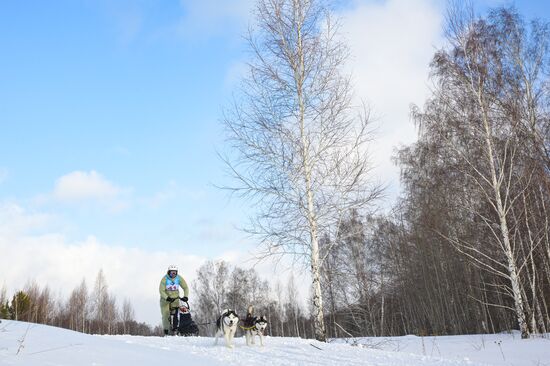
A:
x: 182, y: 322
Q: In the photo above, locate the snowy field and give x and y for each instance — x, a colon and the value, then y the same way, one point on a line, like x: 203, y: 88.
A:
x: 31, y: 344
x: 493, y: 349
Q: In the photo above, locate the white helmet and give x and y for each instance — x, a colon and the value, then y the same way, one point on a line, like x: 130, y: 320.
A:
x: 172, y: 267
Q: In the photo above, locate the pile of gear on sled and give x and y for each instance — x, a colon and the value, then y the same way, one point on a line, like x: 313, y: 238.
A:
x: 182, y: 323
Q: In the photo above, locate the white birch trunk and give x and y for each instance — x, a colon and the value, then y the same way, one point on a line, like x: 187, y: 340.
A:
x: 319, y: 319
x: 501, y: 212
x: 318, y: 315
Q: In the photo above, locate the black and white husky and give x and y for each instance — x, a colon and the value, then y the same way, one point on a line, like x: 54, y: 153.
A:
x: 226, y: 325
x: 254, y: 326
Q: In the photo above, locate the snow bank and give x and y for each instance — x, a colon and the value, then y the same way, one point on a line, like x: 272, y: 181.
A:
x: 31, y: 344
x: 495, y: 349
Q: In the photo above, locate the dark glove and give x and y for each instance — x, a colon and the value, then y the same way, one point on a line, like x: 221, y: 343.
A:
x: 184, y: 299
x: 169, y: 299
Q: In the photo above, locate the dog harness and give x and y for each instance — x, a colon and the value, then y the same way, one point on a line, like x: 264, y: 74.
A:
x: 248, y: 328
x: 251, y: 325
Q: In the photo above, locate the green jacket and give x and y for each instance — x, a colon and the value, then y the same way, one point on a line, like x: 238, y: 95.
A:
x: 170, y: 288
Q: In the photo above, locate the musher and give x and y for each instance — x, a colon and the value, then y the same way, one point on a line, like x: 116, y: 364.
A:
x: 170, y: 295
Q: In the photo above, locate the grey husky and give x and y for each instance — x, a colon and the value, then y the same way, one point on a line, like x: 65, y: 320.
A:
x: 254, y: 326
x: 226, y: 325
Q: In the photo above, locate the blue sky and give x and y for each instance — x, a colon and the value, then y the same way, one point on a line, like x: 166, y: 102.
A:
x: 109, y: 116
x: 123, y: 91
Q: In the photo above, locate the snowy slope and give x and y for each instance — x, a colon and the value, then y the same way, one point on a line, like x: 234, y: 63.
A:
x: 498, y: 349
x: 43, y: 345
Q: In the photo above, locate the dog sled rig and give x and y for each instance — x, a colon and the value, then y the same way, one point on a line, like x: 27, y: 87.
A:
x: 181, y: 320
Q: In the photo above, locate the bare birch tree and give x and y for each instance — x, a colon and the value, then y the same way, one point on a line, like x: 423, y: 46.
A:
x: 127, y: 315
x: 4, y: 303
x: 298, y: 142
x: 100, y: 298
x: 210, y: 290
x: 78, y: 308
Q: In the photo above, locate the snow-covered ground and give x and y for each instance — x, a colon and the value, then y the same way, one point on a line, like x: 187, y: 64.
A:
x: 493, y: 349
x: 31, y: 344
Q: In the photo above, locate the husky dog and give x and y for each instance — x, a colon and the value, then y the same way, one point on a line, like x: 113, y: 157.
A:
x: 254, y: 326
x: 226, y: 325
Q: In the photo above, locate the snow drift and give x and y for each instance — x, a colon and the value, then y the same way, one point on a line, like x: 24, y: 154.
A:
x: 33, y: 344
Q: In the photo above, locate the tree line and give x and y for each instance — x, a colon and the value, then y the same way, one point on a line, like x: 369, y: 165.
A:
x: 467, y: 247
x: 218, y: 286
x: 92, y: 312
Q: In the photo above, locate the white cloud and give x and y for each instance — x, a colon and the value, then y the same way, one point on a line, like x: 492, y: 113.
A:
x: 392, y: 43
x: 15, y: 221
x: 80, y: 187
x: 207, y: 18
